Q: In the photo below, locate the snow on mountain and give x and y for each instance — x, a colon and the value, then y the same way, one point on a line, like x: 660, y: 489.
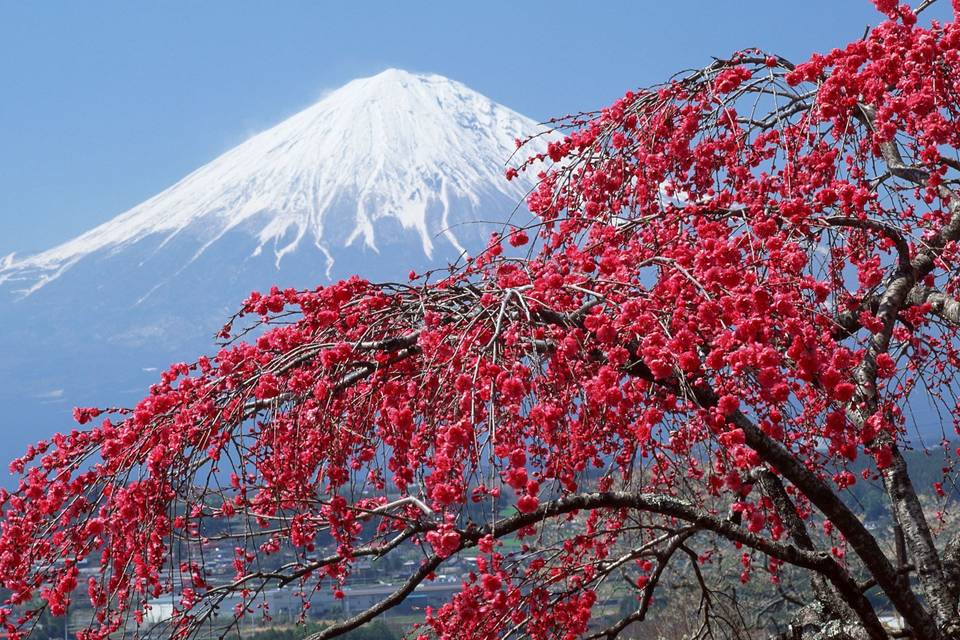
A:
x: 396, y: 146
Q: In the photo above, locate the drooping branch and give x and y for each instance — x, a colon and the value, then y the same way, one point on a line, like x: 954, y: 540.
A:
x: 772, y: 486
x: 894, y: 586
x: 663, y: 560
x: 395, y: 598
x: 821, y: 563
x: 825, y: 499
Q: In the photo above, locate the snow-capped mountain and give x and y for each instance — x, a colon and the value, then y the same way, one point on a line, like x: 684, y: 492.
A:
x: 390, y: 173
x: 420, y: 151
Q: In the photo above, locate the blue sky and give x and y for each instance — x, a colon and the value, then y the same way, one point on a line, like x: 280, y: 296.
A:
x: 106, y: 103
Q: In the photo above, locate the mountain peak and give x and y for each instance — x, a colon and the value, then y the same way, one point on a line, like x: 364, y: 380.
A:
x: 393, y: 75
x: 388, y: 84
x: 394, y: 79
x: 394, y: 154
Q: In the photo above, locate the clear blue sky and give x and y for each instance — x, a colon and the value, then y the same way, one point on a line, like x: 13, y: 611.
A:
x: 104, y: 104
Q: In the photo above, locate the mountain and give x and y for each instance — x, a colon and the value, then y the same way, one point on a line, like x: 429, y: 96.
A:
x: 390, y: 173
x: 395, y: 159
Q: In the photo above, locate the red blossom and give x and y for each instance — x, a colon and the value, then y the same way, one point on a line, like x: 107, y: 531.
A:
x: 711, y: 294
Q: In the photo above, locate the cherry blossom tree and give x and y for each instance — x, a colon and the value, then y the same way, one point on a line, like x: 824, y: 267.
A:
x: 736, y: 284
